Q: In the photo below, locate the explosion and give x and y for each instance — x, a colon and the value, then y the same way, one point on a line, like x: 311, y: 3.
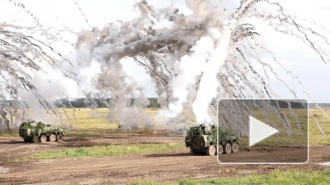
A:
x: 194, y: 59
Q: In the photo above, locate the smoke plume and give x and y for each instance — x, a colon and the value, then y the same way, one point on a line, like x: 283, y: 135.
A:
x: 194, y: 59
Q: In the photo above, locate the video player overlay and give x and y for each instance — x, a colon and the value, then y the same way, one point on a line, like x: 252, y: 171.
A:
x: 262, y: 131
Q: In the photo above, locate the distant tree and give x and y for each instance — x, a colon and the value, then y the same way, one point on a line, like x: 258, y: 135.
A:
x: 153, y: 103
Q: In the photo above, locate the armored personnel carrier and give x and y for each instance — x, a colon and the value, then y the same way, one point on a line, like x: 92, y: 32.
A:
x: 32, y: 131
x: 203, y: 139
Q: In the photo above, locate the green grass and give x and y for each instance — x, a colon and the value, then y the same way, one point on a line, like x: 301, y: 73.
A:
x: 282, y: 140
x: 315, y: 135
x: 104, y: 151
x: 273, y: 117
x: 319, y: 140
x: 104, y: 132
x: 323, y: 121
x: 290, y: 177
x: 292, y: 140
x: 9, y: 134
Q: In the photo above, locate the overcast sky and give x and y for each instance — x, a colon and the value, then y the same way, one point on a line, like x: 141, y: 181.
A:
x: 313, y: 72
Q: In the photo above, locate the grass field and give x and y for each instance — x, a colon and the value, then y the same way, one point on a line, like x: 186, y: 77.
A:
x: 85, y: 121
x: 290, y: 115
x: 292, y: 177
x: 105, y: 151
x: 315, y: 135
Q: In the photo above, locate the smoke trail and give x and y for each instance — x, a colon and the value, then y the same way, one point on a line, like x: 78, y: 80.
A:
x: 195, y: 63
x: 24, y: 52
x: 208, y: 83
x: 180, y: 43
x: 193, y: 59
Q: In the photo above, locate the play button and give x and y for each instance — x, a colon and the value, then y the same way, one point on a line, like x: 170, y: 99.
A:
x: 259, y: 131
x: 267, y: 131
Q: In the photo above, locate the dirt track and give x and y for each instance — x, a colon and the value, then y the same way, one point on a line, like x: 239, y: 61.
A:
x: 165, y: 166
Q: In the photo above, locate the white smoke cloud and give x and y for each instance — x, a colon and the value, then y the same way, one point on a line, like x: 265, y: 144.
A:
x: 87, y: 76
x: 209, y: 83
x: 188, y: 68
x: 183, y: 54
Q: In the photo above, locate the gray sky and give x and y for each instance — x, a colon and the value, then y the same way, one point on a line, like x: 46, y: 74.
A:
x: 314, y: 74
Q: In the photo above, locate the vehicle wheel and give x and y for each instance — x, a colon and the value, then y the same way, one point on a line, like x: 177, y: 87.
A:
x: 59, y: 137
x: 234, y: 147
x: 220, y: 149
x: 227, y: 148
x: 194, y: 152
x: 43, y: 138
x: 52, y: 138
x: 35, y: 139
x: 211, y: 150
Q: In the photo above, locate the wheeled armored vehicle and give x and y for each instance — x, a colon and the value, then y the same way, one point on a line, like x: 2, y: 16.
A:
x: 204, y: 138
x: 32, y: 131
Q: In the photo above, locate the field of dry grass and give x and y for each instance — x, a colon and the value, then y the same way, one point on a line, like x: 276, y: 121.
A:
x: 320, y: 122
x: 86, y: 121
x: 92, y: 119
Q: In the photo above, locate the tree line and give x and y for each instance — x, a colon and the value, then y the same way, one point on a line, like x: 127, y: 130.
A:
x: 81, y: 103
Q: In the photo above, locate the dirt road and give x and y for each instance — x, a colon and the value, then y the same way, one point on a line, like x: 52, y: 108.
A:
x: 165, y: 166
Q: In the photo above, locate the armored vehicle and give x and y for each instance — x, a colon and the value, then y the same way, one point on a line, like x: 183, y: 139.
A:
x: 32, y: 131
x: 203, y: 139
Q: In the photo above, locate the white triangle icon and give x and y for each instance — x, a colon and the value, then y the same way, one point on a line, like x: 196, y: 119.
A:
x: 259, y: 131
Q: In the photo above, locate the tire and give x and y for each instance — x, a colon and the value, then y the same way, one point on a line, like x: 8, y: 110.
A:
x: 35, y: 139
x: 220, y: 149
x: 43, y: 138
x: 227, y: 148
x: 234, y: 147
x: 211, y: 150
x: 194, y: 152
x: 52, y: 138
x: 59, y: 137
